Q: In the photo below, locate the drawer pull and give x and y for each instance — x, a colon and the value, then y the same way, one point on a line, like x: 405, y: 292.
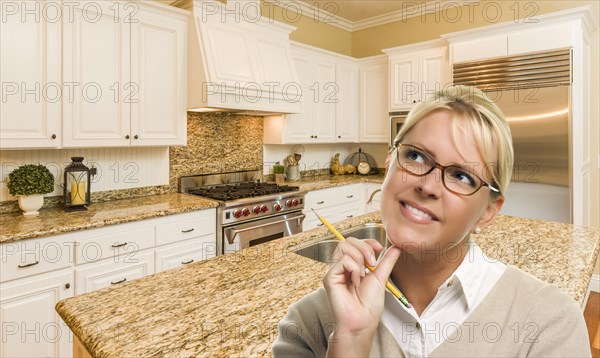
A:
x: 118, y: 282
x: 188, y: 230
x: 27, y: 265
x: 349, y: 216
x: 67, y: 285
x: 320, y: 202
x: 187, y: 262
x: 349, y: 196
x: 114, y: 246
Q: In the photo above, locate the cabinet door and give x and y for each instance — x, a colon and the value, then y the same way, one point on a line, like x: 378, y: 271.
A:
x: 346, y: 123
x: 404, y: 86
x: 30, y: 53
x: 30, y: 325
x: 298, y: 127
x: 114, y: 271
x: 96, y: 60
x: 324, y: 91
x: 374, y: 121
x: 185, y: 253
x: 158, y: 88
x: 434, y: 71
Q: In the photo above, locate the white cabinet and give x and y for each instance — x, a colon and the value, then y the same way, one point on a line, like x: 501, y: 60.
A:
x: 334, y: 204
x: 113, y: 271
x: 30, y: 54
x: 330, y: 104
x: 30, y: 325
x: 373, y: 98
x: 417, y: 71
x: 36, y: 274
x: 159, y: 78
x: 347, y: 106
x: 128, y: 70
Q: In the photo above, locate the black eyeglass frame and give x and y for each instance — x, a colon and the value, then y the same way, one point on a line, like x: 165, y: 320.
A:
x: 443, y: 169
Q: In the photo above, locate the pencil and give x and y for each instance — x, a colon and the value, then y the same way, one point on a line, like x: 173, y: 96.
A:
x: 396, y: 292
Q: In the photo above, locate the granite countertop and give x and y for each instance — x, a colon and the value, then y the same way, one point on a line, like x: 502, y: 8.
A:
x: 52, y: 221
x: 329, y: 181
x: 230, y: 305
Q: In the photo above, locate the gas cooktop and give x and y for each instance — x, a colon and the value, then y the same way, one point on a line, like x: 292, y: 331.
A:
x: 228, y: 192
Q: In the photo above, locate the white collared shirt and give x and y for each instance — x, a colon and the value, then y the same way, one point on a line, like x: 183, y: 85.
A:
x: 456, y: 298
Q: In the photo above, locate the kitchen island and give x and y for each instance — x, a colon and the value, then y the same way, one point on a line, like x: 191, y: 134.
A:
x: 230, y: 305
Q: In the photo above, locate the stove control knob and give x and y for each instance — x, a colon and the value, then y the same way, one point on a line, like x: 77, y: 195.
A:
x: 237, y: 214
x: 256, y: 209
x: 246, y: 211
x: 264, y: 208
x: 289, y: 203
x: 277, y: 207
x: 296, y: 202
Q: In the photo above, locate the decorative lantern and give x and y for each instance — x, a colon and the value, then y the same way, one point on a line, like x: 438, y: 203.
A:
x: 76, y: 190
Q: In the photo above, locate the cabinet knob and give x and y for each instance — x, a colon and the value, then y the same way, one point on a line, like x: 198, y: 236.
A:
x: 135, y: 136
x: 53, y: 136
x: 312, y: 136
x: 414, y: 101
x: 339, y: 136
x: 315, y: 137
x: 127, y: 136
x: 67, y: 285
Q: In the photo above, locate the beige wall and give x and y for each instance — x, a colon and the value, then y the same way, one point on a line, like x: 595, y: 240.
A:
x: 309, y: 31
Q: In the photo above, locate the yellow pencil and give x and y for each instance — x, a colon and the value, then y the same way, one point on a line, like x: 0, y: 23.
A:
x: 396, y: 292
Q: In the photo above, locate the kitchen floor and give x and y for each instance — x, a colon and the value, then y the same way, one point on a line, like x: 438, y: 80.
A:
x: 592, y: 319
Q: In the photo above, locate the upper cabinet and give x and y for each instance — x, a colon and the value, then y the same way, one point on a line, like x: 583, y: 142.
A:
x: 373, y: 98
x: 106, y: 74
x: 30, y: 54
x: 417, y: 71
x: 330, y: 105
x: 131, y: 65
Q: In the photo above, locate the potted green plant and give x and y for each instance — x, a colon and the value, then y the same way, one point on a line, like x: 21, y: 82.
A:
x: 29, y: 182
x: 278, y: 170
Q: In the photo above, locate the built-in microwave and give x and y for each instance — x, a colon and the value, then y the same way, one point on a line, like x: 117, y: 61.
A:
x: 396, y: 121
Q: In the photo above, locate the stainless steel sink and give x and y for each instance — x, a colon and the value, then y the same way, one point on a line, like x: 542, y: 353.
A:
x: 323, y: 249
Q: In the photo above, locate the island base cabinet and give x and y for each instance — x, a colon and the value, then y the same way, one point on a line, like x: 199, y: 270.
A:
x: 30, y: 325
x: 79, y: 350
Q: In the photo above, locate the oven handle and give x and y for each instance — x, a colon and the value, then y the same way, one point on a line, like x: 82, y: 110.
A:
x: 237, y: 231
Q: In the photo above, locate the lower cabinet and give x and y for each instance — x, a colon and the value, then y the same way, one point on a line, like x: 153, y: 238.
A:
x: 113, y: 271
x: 184, y: 253
x: 30, y: 325
x: 334, y: 204
x: 36, y: 274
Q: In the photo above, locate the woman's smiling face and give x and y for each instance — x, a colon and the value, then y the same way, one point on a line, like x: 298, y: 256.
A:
x: 418, y: 211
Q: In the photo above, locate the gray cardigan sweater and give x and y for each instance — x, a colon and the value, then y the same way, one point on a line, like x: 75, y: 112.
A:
x: 520, y: 317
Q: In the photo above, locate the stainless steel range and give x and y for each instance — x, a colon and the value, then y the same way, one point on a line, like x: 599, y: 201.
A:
x: 250, y: 212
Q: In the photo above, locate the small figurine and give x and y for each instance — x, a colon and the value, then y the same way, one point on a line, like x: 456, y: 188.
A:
x: 338, y: 169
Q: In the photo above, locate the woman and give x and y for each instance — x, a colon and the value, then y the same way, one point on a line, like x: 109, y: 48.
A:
x: 446, y: 176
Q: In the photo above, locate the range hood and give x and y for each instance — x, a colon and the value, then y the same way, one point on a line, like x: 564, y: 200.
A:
x: 239, y: 61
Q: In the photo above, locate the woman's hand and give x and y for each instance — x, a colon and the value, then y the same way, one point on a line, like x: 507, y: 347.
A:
x: 355, y: 298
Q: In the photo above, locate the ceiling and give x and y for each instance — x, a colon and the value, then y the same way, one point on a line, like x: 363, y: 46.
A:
x: 359, y: 10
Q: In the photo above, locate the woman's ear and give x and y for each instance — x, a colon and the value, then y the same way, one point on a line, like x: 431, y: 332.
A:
x: 493, y: 207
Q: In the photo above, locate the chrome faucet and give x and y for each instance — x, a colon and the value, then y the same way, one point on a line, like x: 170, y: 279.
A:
x: 372, y: 195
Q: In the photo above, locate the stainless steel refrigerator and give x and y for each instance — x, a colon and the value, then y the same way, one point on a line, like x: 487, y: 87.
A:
x: 533, y: 91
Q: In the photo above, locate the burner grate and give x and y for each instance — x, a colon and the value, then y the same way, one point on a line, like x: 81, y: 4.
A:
x: 228, y: 192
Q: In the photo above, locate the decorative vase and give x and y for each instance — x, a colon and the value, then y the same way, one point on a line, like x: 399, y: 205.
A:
x: 30, y: 204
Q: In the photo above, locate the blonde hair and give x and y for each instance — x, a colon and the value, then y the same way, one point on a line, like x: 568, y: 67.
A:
x: 483, y: 119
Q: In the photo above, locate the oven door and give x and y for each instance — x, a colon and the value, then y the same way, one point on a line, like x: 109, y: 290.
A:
x: 240, y: 236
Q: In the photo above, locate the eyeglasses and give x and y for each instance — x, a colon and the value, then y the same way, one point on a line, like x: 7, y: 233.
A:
x: 455, y: 178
